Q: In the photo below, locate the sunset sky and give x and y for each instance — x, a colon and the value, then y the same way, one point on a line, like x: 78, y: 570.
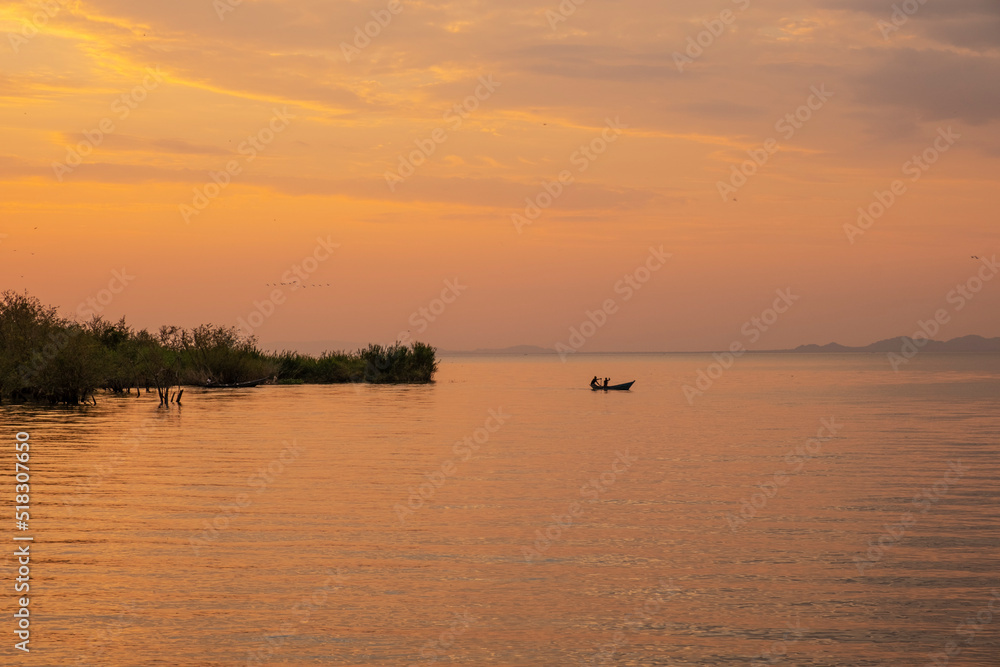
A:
x: 179, y: 88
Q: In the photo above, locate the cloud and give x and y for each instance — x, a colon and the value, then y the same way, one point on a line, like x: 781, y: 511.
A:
x: 125, y: 142
x: 504, y: 194
x: 580, y: 61
x: 934, y: 85
x: 13, y: 167
x: 971, y: 24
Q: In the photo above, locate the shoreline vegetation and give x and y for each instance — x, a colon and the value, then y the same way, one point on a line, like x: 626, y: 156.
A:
x: 47, y: 358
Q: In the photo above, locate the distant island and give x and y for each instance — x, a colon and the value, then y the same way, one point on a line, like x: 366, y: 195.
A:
x: 964, y: 345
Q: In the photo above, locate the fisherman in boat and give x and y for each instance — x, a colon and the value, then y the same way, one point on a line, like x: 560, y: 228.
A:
x: 594, y: 383
x: 606, y: 381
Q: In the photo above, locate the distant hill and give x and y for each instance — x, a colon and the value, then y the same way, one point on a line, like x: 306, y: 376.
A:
x: 965, y: 344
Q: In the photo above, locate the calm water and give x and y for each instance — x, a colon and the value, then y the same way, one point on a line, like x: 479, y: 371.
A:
x: 285, y: 526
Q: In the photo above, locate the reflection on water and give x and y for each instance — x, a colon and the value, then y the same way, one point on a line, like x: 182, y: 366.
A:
x: 507, y: 515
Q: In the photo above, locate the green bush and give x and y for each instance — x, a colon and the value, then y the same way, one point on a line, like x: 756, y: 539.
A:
x: 47, y: 358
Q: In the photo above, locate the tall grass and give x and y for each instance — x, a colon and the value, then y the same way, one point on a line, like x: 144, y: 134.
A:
x: 398, y: 363
x: 378, y: 364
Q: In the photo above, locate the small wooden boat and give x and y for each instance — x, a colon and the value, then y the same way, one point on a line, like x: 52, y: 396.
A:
x: 234, y: 385
x: 614, y: 387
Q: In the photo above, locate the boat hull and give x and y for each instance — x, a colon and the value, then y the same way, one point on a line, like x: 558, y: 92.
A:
x: 615, y: 387
x: 236, y: 385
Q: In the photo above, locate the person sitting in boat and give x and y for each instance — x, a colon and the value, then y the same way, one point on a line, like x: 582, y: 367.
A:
x: 594, y: 382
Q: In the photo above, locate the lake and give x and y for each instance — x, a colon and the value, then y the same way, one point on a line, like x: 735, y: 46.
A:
x: 799, y: 510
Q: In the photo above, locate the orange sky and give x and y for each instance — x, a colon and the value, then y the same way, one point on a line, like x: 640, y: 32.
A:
x: 159, y: 96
